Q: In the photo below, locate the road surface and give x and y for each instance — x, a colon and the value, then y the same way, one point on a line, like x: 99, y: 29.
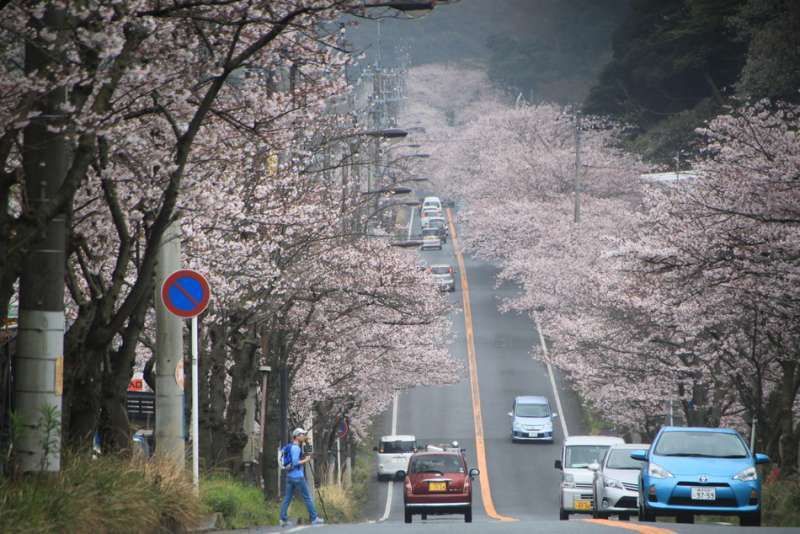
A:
x: 518, y: 486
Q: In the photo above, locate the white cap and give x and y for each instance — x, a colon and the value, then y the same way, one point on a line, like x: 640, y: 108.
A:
x: 298, y: 432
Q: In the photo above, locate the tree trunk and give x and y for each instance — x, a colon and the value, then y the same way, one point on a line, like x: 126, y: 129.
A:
x: 243, y: 374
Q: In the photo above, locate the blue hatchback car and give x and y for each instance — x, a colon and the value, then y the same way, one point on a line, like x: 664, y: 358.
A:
x: 693, y: 471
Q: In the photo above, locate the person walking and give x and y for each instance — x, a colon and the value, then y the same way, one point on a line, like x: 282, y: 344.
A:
x: 294, y: 461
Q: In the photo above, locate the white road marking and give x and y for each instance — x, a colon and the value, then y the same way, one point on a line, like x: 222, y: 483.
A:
x: 561, y: 415
x: 390, y: 490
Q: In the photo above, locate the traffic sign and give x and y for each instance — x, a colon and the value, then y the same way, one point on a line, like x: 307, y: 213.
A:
x: 342, y: 428
x: 185, y: 293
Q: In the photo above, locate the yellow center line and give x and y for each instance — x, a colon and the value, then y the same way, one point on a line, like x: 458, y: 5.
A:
x: 637, y: 527
x: 480, y: 446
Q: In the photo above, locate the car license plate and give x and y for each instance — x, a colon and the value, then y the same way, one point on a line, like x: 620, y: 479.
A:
x: 437, y: 486
x: 583, y: 505
x: 704, y: 494
x: 533, y: 434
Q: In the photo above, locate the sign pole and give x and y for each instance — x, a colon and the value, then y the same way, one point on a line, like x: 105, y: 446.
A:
x: 195, y: 414
x: 338, y: 462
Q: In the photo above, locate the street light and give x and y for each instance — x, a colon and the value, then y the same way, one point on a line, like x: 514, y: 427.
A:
x: 383, y: 133
x: 393, y: 190
x: 408, y: 6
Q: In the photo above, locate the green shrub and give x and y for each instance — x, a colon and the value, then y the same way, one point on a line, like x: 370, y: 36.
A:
x: 781, y: 503
x: 107, y: 494
x: 239, y: 504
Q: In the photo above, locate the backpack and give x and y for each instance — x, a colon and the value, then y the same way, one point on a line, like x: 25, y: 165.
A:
x: 286, y: 455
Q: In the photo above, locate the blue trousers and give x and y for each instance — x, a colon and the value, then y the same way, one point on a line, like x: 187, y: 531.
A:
x: 297, y: 484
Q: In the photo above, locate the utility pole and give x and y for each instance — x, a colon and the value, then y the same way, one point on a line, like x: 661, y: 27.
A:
x: 39, y: 363
x: 169, y: 432
x: 577, y: 184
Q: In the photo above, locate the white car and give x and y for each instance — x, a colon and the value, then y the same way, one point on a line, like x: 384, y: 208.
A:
x: 616, y: 483
x: 432, y: 202
x: 394, y: 451
x: 428, y: 213
x: 431, y: 242
x: 577, y: 480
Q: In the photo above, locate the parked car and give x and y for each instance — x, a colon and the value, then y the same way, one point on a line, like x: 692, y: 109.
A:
x: 432, y: 202
x: 394, y: 451
x: 691, y: 471
x: 531, y: 419
x: 438, y: 482
x: 443, y: 274
x: 616, y: 483
x: 577, y: 488
x: 431, y: 242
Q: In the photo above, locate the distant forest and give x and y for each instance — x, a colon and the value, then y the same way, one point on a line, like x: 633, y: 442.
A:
x: 662, y: 66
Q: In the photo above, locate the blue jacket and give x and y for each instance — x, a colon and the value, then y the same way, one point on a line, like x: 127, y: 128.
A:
x: 296, y: 471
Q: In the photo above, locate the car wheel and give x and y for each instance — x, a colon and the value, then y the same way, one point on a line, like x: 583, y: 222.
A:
x: 381, y: 478
x: 563, y: 515
x: 468, y: 515
x: 750, y: 520
x: 424, y: 517
x: 408, y: 516
x: 645, y: 516
x: 685, y: 518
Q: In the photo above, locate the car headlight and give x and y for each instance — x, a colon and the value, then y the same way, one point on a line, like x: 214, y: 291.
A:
x: 656, y: 471
x: 746, y: 475
x: 517, y: 426
x: 612, y: 483
x: 569, y: 481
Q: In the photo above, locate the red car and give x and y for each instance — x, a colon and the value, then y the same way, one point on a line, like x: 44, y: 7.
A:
x: 438, y: 483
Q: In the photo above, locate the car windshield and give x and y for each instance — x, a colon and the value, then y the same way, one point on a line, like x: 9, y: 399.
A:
x: 701, y: 444
x: 533, y: 410
x: 440, y: 269
x: 436, y: 463
x: 621, y: 459
x: 430, y: 231
x: 395, y: 447
x: 581, y: 456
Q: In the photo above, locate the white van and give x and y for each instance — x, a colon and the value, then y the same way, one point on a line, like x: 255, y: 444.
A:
x: 431, y: 202
x: 394, y: 451
x: 577, y: 480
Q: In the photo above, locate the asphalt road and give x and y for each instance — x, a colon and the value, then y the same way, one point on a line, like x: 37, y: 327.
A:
x: 521, y: 479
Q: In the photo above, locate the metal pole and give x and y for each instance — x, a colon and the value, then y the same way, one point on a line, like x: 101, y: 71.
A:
x: 39, y: 361
x: 263, y: 424
x: 195, y: 412
x: 577, y: 184
x: 169, y: 434
x: 284, y: 409
x: 753, y: 434
x: 338, y: 462
x: 671, y: 420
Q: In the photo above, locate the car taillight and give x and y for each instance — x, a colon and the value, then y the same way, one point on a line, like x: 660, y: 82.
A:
x: 409, y: 488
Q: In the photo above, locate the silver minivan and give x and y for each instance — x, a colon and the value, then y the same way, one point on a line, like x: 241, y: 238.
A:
x: 531, y: 419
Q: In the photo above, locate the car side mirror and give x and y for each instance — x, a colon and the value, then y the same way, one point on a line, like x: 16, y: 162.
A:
x: 762, y: 459
x: 558, y: 465
x: 639, y: 455
x: 555, y: 415
x: 473, y: 473
x: 594, y: 466
x: 510, y: 414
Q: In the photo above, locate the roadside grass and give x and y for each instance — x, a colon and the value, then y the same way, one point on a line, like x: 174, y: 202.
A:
x: 781, y: 502
x: 239, y: 505
x: 106, y: 494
